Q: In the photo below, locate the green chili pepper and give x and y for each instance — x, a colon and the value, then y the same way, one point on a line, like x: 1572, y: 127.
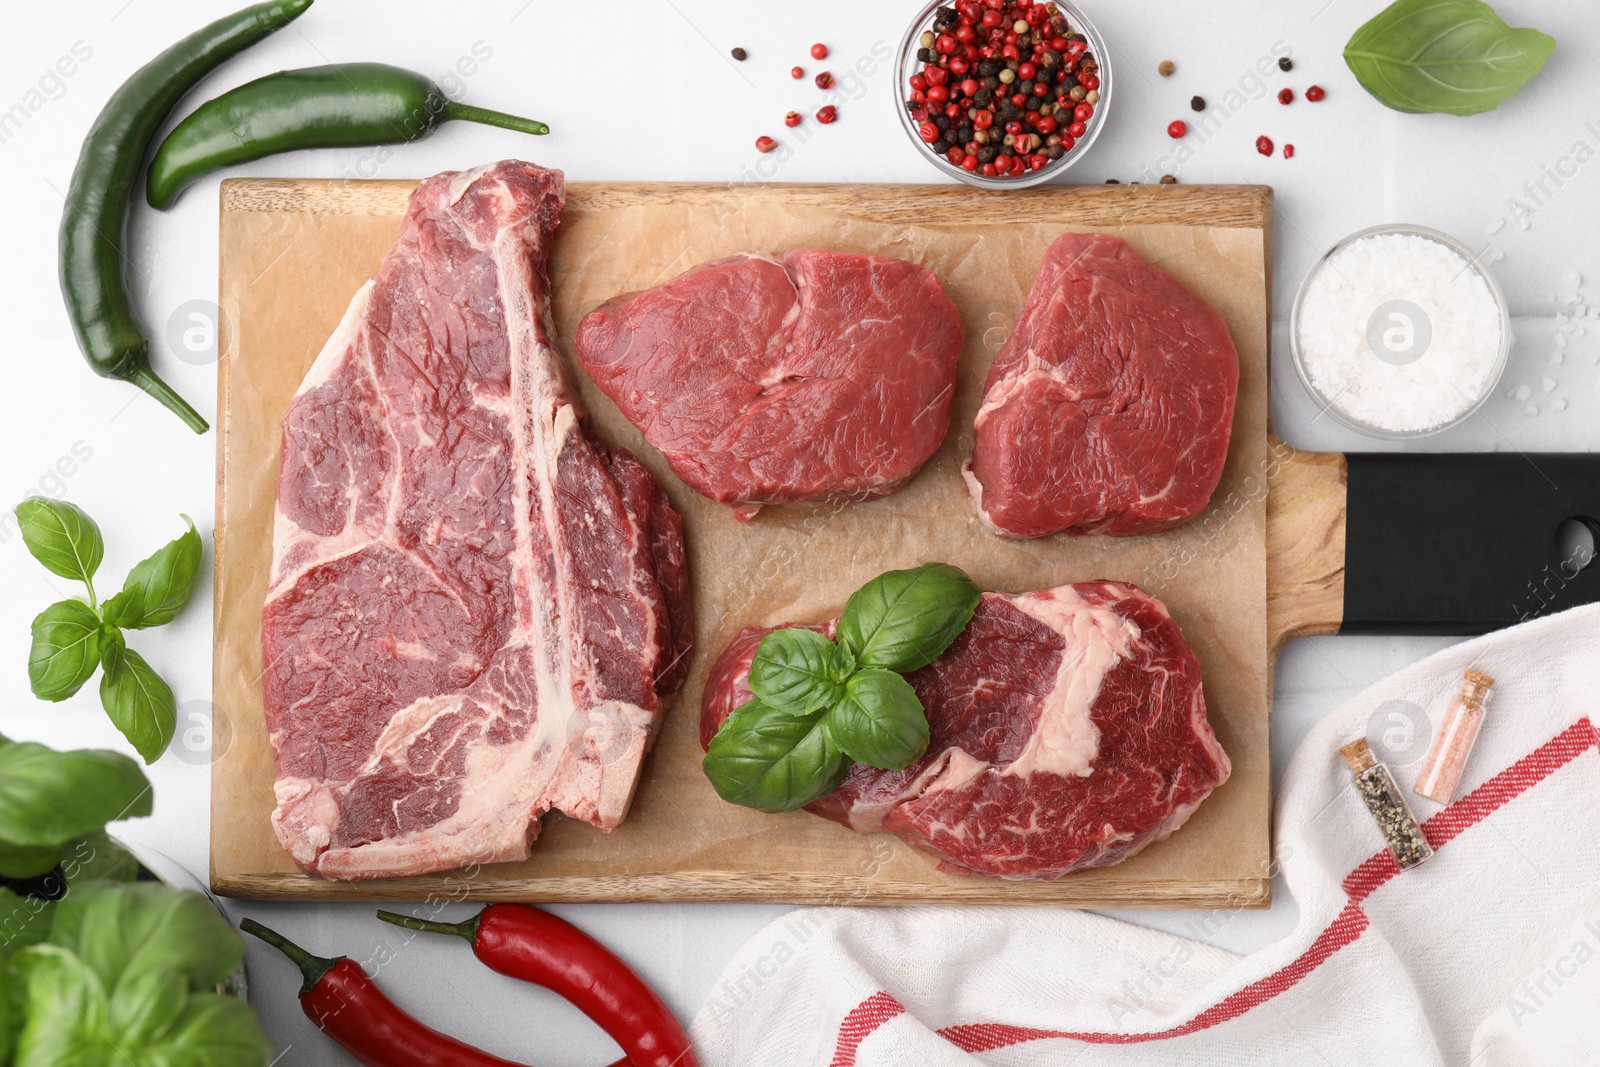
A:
x: 317, y: 107
x: 96, y: 213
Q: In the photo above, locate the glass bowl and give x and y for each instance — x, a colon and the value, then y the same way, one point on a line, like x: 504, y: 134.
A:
x: 906, y: 65
x: 1326, y: 402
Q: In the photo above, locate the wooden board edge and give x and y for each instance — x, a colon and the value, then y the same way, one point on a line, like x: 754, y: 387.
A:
x: 1192, y: 205
x: 1306, y: 525
x: 717, y: 887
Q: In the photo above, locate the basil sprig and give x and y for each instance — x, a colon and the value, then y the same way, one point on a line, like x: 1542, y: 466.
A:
x: 1452, y: 56
x: 821, y: 704
x: 73, y: 638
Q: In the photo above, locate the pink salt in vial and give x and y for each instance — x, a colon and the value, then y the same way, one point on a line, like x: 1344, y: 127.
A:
x: 1453, y: 741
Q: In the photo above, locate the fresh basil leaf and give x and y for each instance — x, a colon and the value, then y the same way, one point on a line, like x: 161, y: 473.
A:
x: 151, y: 1020
x: 140, y: 703
x: 126, y: 608
x: 96, y: 855
x: 773, y: 760
x: 880, y: 721
x: 123, y: 931
x: 798, y: 670
x: 66, y: 649
x: 62, y: 537
x: 213, y: 1031
x: 148, y: 1005
x: 162, y: 582
x: 65, y: 1011
x: 24, y: 921
x: 49, y: 797
x: 27, y: 861
x: 1452, y: 56
x: 902, y: 620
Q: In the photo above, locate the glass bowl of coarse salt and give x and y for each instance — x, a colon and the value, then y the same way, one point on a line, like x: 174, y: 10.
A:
x: 1398, y: 332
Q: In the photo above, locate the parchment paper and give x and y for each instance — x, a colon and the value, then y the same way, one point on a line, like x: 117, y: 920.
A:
x: 294, y: 252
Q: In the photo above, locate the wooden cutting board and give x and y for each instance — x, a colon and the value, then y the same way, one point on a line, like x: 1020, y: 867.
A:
x: 292, y: 254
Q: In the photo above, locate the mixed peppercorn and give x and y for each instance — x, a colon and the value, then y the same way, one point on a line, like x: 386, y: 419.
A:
x: 1006, y: 86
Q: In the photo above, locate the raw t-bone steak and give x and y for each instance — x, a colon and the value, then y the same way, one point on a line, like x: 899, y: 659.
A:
x: 1110, y: 408
x: 476, y: 610
x: 1068, y: 728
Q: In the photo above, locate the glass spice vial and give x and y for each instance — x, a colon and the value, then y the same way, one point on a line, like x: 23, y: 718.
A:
x: 1387, y: 805
x: 1453, y: 741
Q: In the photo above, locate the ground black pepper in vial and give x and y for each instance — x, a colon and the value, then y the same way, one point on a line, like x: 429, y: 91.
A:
x: 1387, y: 804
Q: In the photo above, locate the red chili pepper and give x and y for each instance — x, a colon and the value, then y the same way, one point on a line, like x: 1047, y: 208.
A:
x: 348, y: 1006
x: 523, y: 942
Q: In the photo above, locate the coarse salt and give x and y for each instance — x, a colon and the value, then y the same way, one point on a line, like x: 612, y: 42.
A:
x: 1432, y: 316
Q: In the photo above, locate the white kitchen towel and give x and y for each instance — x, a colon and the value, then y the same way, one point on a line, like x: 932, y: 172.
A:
x: 1487, y: 954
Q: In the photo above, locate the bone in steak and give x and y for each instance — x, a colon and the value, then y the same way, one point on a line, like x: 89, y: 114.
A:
x: 1110, y: 407
x: 826, y: 376
x: 476, y: 610
x: 1068, y: 731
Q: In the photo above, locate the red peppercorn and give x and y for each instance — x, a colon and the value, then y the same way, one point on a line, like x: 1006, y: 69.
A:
x: 819, y: 51
x: 918, y: 81
x: 1048, y: 125
x: 1027, y: 72
x: 1059, y: 44
x: 827, y: 114
x: 1288, y: 151
x: 956, y: 155
x: 970, y: 163
x: 953, y: 111
x: 797, y: 73
x: 1083, y: 111
x: 1013, y: 127
x: 1067, y: 142
x: 938, y: 93
x: 1019, y: 100
x: 937, y: 75
x: 970, y: 87
x: 1089, y: 81
x: 959, y: 65
x: 928, y: 132
x: 965, y: 34
x: 1315, y: 93
x: 1177, y: 128
x: 1041, y: 89
x: 765, y: 144
x: 1078, y: 129
x: 824, y: 80
x: 989, y: 170
x: 990, y: 19
x: 944, y: 44
x: 1285, y: 96
x: 983, y: 119
x: 793, y: 119
x: 1264, y: 145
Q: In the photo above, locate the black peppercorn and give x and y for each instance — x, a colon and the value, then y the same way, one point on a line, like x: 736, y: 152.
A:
x: 739, y: 54
x: 988, y: 68
x: 941, y: 122
x: 944, y: 16
x: 1197, y: 104
x: 1112, y: 181
x: 1033, y: 103
x: 1025, y: 88
x: 964, y: 135
x: 986, y: 154
x: 1050, y: 60
x: 1285, y: 63
x: 983, y: 97
x: 1055, y: 151
x: 927, y: 55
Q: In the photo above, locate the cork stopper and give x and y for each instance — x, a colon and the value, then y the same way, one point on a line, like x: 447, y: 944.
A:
x: 1479, y: 679
x: 1359, y: 755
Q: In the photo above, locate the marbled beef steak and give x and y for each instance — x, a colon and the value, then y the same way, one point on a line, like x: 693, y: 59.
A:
x: 1110, y: 407
x: 1068, y: 728
x: 822, y: 376
x: 477, y: 610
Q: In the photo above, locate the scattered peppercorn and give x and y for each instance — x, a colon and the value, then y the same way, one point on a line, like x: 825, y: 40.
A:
x: 1264, y: 145
x: 1285, y: 96
x: 1166, y: 68
x: 765, y: 144
x: 797, y: 73
x: 824, y: 80
x: 819, y: 51
x: 792, y: 119
x: 1315, y: 93
x: 1197, y: 104
x: 827, y: 114
x: 740, y: 54
x: 1169, y: 179
x: 1285, y: 63
x: 1112, y: 181
x: 1288, y: 151
x: 1010, y: 83
x: 1177, y: 128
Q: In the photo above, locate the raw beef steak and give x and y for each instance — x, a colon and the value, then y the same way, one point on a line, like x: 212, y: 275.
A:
x: 476, y: 609
x: 1068, y: 731
x: 826, y: 376
x: 1110, y: 406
